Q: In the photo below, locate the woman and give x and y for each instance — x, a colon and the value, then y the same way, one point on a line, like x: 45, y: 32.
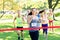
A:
x: 19, y: 24
x: 45, y: 23
x: 33, y: 21
x: 50, y: 17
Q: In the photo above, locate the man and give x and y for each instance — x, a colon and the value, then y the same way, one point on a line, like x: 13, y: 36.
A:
x: 19, y: 24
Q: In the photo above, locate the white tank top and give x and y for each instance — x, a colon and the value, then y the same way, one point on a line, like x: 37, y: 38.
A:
x: 44, y: 19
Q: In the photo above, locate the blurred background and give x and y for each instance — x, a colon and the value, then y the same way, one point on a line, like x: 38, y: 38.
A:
x: 8, y: 7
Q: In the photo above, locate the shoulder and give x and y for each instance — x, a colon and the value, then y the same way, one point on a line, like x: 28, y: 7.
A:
x: 29, y: 16
x: 38, y: 15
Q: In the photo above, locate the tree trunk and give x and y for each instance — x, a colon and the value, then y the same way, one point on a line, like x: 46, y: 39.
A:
x: 51, y: 6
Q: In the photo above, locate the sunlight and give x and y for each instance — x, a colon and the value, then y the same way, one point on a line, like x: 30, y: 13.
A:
x: 1, y: 39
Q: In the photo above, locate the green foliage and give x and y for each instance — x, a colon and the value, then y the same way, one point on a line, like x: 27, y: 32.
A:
x: 7, y: 16
x: 57, y: 14
x: 25, y: 4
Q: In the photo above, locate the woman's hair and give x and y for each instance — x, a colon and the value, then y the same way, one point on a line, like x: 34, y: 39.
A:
x: 30, y: 13
x: 36, y: 9
x: 41, y: 11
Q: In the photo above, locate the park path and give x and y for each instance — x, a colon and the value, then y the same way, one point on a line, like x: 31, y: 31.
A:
x: 11, y: 20
x: 6, y: 21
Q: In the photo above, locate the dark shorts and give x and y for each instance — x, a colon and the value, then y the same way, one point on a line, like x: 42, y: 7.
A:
x: 20, y: 27
x: 46, y: 29
x: 34, y: 35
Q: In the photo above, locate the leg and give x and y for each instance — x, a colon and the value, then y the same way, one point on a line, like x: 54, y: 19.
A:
x: 31, y: 35
x: 37, y: 35
x: 45, y: 31
x: 22, y: 35
x: 18, y: 33
x: 46, y: 36
x: 52, y: 26
x: 34, y: 35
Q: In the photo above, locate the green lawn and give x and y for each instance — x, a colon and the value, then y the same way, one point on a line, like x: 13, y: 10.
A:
x: 13, y: 36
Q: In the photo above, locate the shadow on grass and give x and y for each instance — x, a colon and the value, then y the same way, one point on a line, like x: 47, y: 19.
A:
x: 8, y: 36
x: 6, y: 26
x: 12, y: 35
x: 51, y: 36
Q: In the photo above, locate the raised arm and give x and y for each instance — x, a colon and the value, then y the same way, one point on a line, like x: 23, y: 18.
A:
x: 29, y: 19
x: 14, y: 22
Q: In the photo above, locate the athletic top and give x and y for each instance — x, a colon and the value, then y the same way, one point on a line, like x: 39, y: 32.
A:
x: 34, y: 23
x: 39, y: 19
x: 19, y: 22
x: 38, y: 15
x: 50, y: 17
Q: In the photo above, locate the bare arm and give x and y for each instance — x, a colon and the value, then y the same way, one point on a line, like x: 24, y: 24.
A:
x: 14, y: 22
x: 23, y: 19
x: 29, y: 19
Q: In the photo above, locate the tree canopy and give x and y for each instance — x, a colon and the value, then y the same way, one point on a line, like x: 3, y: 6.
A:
x: 27, y: 4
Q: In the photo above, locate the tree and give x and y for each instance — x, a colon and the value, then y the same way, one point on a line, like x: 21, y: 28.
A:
x: 8, y: 5
x: 53, y: 5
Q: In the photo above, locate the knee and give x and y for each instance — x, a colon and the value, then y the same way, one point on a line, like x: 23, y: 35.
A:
x: 18, y: 34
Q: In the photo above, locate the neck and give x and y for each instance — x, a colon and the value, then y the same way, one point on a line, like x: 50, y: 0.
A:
x: 33, y: 14
x: 18, y: 15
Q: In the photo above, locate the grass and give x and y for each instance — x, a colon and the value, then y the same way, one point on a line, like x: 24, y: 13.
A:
x: 13, y: 36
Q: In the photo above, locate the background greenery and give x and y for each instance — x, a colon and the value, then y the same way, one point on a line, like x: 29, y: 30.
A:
x: 25, y: 5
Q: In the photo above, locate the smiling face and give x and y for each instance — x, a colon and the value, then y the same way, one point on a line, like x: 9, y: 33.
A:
x: 34, y: 11
x: 50, y: 10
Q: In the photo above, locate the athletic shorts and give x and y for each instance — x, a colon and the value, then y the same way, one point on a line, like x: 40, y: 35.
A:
x: 45, y: 30
x: 50, y: 21
x: 20, y: 27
